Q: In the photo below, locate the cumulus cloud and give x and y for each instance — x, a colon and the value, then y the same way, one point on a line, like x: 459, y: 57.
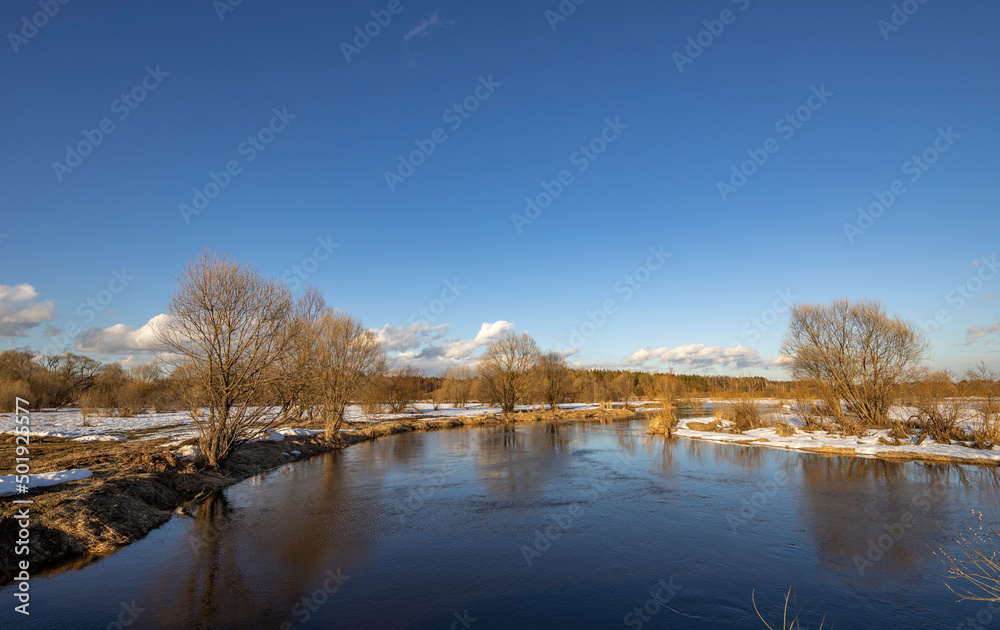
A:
x: 698, y: 355
x: 20, y: 311
x: 975, y: 333
x: 402, y: 338
x: 429, y: 348
x: 119, y: 339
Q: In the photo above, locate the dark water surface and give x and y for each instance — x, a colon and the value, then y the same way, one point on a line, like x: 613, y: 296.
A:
x: 437, y: 530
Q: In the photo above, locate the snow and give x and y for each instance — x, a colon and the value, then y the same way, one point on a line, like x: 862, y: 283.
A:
x: 865, y: 446
x: 189, y: 451
x: 8, y: 485
x: 100, y: 438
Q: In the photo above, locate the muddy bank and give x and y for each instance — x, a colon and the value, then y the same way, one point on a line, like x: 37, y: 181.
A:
x: 137, y: 486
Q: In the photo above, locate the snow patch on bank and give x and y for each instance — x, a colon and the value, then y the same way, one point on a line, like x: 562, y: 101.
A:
x: 9, y: 486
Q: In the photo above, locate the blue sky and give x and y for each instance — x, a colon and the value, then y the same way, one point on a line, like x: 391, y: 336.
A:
x: 540, y: 93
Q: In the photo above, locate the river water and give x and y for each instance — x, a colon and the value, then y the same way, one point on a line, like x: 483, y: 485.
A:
x: 567, y: 525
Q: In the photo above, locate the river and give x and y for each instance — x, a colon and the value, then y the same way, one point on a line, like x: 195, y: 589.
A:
x: 567, y: 525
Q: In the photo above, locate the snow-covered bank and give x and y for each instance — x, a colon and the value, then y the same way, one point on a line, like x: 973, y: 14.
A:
x: 871, y: 445
x: 9, y: 485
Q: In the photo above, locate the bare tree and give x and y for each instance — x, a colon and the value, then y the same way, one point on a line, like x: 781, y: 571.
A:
x: 505, y: 368
x: 855, y: 351
x: 227, y: 326
x: 553, y: 379
x: 400, y: 388
x: 294, y: 386
x: 349, y: 356
x: 458, y: 385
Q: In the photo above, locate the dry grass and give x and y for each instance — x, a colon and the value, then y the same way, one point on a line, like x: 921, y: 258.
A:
x: 786, y: 623
x: 745, y: 414
x: 663, y: 422
x: 976, y: 561
x: 785, y: 430
x: 704, y: 426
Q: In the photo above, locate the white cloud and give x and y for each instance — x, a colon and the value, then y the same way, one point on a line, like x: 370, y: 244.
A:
x: 119, y: 339
x: 698, y: 355
x: 426, y: 347
x: 426, y: 26
x: 20, y: 312
x: 402, y: 338
x: 975, y: 333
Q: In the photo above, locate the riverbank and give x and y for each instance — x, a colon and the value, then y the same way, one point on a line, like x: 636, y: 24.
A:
x: 138, y: 485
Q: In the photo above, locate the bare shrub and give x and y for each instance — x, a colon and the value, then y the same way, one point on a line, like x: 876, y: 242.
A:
x: 975, y: 561
x: 787, y: 623
x: 11, y: 389
x: 938, y: 410
x: 856, y: 352
x: 663, y: 421
x: 983, y: 387
x: 744, y: 414
x: 227, y: 326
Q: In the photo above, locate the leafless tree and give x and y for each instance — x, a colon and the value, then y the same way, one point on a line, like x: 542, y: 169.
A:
x: 505, y: 368
x: 553, y: 379
x: 458, y: 386
x: 227, y: 325
x: 349, y: 356
x: 294, y: 386
x: 400, y: 388
x: 855, y: 351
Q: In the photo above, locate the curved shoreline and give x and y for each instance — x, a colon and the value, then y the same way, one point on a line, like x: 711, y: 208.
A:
x: 139, y: 486
x: 76, y: 523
